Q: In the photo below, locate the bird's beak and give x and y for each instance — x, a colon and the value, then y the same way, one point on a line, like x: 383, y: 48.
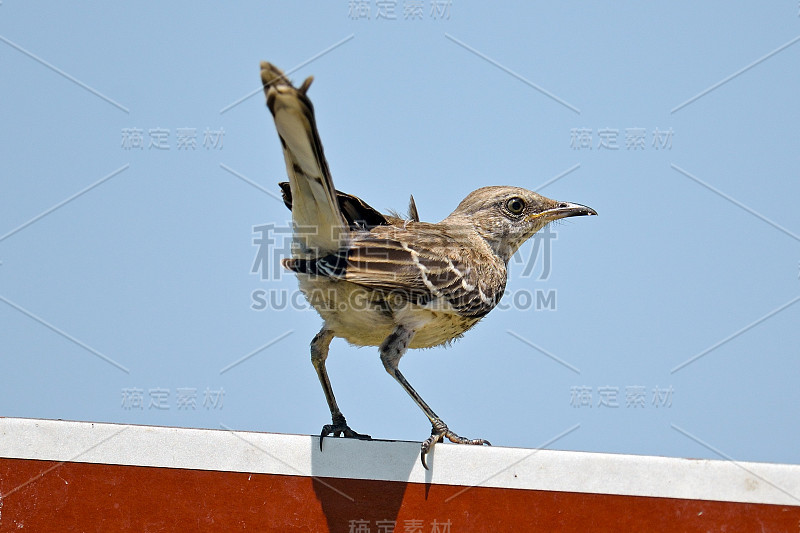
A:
x: 564, y: 210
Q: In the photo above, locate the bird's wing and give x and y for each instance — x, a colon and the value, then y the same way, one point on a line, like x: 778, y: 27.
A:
x: 320, y: 227
x: 357, y: 213
x: 423, y: 273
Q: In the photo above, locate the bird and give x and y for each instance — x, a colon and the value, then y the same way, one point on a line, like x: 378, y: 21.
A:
x: 390, y: 281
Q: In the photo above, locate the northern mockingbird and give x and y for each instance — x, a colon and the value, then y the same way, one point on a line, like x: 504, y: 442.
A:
x: 386, y: 281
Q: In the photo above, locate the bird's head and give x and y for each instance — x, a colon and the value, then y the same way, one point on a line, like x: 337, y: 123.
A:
x: 506, y: 216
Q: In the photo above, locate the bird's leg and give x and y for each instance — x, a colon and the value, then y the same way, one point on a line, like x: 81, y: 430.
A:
x: 392, y: 349
x: 319, y: 352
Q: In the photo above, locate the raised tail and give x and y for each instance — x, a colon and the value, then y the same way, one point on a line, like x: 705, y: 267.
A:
x: 320, y: 228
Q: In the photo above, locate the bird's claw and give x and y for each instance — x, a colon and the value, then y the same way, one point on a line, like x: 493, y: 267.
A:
x: 340, y: 428
x: 439, y: 432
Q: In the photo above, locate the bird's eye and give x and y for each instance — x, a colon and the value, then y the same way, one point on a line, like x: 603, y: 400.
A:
x: 515, y: 206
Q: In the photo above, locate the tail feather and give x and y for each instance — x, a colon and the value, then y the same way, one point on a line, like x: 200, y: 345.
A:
x: 320, y: 228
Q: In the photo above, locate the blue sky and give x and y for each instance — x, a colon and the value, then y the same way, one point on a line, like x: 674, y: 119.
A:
x: 138, y: 157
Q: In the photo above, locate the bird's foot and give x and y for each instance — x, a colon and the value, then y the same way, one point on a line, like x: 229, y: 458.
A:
x: 439, y: 432
x: 340, y: 428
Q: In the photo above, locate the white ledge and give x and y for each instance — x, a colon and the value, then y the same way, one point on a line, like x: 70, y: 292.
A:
x: 299, y: 455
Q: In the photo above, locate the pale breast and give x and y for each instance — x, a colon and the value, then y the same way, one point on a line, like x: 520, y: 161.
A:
x: 365, y: 317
